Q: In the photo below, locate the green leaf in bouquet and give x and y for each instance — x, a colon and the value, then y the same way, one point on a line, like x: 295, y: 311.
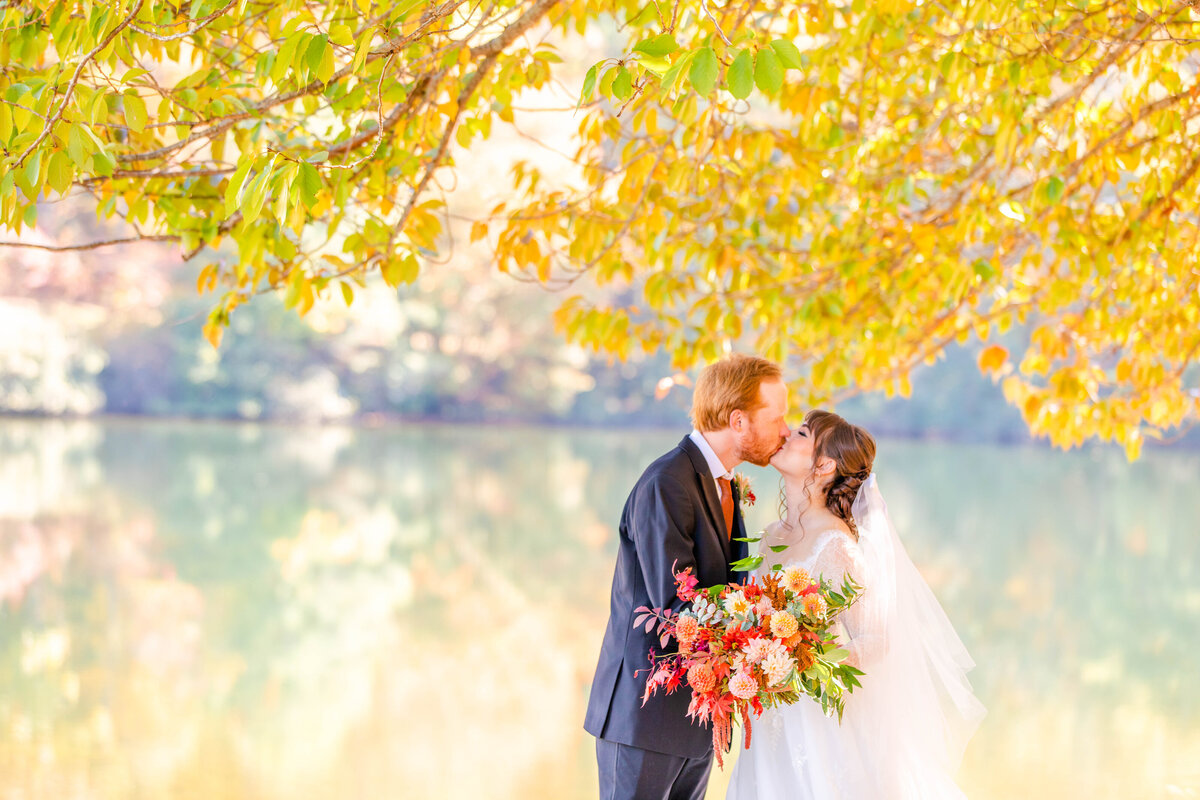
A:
x: 778, y: 548
x: 749, y: 539
x: 748, y: 564
x: 837, y: 655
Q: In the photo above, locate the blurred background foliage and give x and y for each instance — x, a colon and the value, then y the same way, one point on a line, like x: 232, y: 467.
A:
x: 119, y: 333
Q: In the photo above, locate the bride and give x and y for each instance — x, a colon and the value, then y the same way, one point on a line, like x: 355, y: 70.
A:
x: 903, y: 732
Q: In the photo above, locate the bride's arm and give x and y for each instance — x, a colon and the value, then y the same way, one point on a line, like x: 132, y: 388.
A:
x: 862, y: 628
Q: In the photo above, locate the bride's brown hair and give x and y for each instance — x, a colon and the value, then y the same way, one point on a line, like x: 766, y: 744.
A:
x: 852, y: 450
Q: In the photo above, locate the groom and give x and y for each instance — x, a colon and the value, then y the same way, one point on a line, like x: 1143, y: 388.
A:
x: 683, y: 512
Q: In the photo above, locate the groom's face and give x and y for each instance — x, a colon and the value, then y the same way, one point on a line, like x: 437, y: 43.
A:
x: 760, y: 433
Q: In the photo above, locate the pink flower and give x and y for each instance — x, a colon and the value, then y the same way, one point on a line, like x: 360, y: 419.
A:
x: 701, y: 678
x: 756, y: 649
x: 685, y: 584
x: 742, y: 685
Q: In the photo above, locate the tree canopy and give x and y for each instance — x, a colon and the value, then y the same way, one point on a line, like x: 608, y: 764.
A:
x: 847, y: 186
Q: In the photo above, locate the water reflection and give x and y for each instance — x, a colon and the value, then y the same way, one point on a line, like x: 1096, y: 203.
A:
x: 255, y: 612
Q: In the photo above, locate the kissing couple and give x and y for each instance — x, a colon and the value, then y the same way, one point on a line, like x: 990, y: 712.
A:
x: 903, y: 731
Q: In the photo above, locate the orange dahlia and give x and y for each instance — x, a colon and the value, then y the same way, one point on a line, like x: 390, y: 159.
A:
x: 701, y: 678
x: 687, y: 628
x: 783, y: 624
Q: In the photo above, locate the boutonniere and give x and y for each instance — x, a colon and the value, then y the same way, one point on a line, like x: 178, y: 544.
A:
x: 745, y: 492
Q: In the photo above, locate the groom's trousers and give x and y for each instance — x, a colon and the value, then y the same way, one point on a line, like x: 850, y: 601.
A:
x: 631, y: 773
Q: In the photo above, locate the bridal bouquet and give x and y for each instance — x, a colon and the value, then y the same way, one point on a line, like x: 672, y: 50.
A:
x: 749, y: 646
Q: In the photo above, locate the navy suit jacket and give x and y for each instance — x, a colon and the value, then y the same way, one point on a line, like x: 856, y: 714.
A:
x: 672, y: 519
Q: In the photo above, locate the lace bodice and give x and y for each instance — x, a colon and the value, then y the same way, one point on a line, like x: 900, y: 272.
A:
x: 833, y: 555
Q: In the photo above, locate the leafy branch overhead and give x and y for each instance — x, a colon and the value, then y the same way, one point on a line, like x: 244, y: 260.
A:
x: 849, y: 186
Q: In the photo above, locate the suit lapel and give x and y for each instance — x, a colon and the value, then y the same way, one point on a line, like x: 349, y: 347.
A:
x: 712, y: 501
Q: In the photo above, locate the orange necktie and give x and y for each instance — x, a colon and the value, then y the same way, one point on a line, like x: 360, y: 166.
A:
x: 727, y: 504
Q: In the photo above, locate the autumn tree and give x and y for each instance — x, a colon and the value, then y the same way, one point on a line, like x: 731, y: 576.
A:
x: 848, y: 186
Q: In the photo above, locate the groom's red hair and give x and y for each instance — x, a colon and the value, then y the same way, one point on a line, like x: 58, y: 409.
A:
x: 728, y: 384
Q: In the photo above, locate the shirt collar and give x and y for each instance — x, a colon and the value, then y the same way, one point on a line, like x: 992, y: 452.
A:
x: 714, y: 464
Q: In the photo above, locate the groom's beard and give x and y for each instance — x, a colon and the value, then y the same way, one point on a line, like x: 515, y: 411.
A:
x: 759, y: 453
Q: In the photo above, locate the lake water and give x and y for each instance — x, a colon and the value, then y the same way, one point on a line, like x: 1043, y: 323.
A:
x: 224, y: 612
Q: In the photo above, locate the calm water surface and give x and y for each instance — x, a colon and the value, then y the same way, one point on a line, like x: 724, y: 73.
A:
x: 226, y: 612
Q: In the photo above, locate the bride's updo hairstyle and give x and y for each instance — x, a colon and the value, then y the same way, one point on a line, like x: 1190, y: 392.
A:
x: 852, y: 450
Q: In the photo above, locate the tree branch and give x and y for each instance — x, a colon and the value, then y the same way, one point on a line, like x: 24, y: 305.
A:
x: 55, y: 248
x: 70, y: 90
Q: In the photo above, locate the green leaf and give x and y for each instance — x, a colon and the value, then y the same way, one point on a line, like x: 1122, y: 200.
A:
x: 135, y: 112
x: 328, y: 65
x: 310, y: 183
x: 341, y: 35
x: 739, y: 78
x: 589, y: 86
x: 947, y: 63
x: 400, y: 271
x: 778, y: 548
x: 406, y: 7
x: 362, y: 49
x: 789, y: 54
x: 1054, y: 189
x: 768, y: 72
x: 59, y: 173
x: 314, y: 56
x: 254, y: 197
x: 286, y: 59
x: 703, y: 73
x: 747, y: 564
x: 622, y: 86
x: 670, y: 79
x: 658, y: 46
x: 103, y: 163
x: 234, y: 188
x: 77, y: 147
x: 33, y: 171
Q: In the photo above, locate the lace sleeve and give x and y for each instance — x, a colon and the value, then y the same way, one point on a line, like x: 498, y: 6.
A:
x: 862, y: 628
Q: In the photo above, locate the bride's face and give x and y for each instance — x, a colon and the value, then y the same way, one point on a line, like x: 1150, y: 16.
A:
x: 795, y: 458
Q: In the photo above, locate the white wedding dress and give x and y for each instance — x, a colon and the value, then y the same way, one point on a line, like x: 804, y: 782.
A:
x: 903, y: 731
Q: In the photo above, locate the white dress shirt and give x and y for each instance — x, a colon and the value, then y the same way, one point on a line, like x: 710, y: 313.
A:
x: 714, y: 464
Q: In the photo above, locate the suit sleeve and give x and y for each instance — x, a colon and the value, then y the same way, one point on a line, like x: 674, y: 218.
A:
x: 663, y: 522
